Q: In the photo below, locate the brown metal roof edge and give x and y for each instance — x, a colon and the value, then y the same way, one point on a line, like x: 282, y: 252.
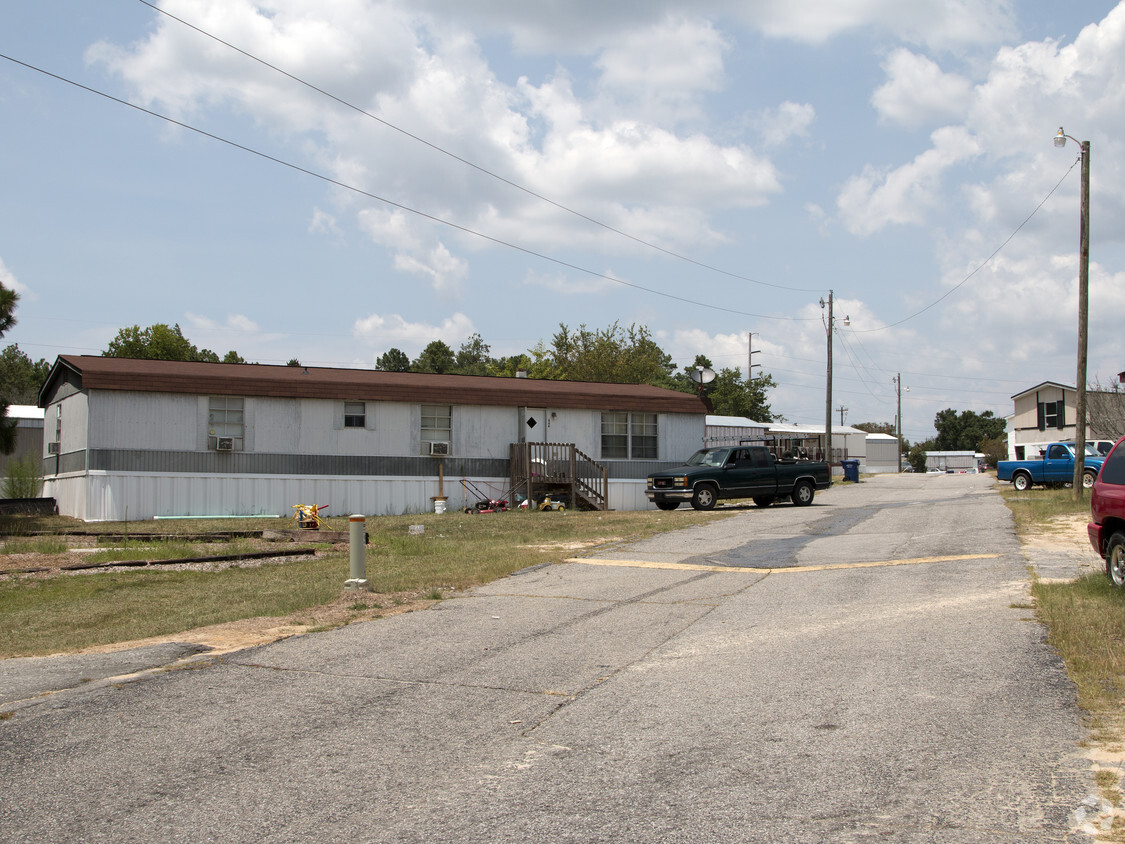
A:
x: 271, y: 380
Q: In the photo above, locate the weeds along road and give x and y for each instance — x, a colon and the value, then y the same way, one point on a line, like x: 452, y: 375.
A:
x: 865, y: 668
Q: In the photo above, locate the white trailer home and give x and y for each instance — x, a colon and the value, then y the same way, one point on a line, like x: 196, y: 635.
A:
x: 139, y: 439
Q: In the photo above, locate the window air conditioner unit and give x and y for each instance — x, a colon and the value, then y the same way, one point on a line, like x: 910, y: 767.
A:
x: 439, y: 449
x: 53, y: 448
x: 224, y: 444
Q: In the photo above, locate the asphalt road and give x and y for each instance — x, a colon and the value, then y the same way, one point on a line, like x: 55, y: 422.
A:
x: 863, y: 669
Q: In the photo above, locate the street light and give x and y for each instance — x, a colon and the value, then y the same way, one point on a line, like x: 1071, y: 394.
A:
x: 1083, y: 310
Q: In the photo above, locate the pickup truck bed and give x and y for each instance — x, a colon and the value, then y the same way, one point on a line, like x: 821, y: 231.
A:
x: 737, y: 472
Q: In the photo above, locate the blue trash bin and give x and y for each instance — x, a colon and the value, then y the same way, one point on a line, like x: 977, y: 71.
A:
x: 851, y: 470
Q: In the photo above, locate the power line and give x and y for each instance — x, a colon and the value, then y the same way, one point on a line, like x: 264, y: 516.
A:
x: 473, y: 165
x: 982, y: 265
x: 392, y: 203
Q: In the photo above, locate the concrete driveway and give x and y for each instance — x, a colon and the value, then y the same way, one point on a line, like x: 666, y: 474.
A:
x: 863, y: 669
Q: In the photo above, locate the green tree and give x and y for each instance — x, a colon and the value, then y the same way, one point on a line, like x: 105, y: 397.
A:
x: 437, y: 357
x: 8, y: 299
x: 473, y: 357
x: 994, y: 449
x: 509, y: 366
x: 613, y: 355
x: 233, y: 357
x: 157, y: 342
x: 393, y: 360
x: 916, y: 455
x: 20, y: 378
x: 965, y: 431
x: 731, y: 395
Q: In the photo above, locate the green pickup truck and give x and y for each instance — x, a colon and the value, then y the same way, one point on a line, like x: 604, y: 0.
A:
x: 737, y: 472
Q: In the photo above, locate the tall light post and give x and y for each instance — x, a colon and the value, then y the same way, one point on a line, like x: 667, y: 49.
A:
x: 1083, y: 311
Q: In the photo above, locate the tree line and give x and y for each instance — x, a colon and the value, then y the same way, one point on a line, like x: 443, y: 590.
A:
x: 614, y: 354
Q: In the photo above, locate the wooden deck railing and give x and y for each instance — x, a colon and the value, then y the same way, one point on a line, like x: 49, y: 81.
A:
x: 542, y: 467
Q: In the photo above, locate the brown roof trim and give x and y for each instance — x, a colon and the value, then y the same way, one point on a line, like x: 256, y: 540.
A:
x: 160, y: 376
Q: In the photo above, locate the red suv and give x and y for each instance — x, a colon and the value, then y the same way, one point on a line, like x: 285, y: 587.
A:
x: 1107, y: 514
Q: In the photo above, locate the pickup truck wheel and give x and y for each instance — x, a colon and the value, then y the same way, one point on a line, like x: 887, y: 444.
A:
x: 704, y: 497
x: 1115, y: 560
x: 1021, y: 481
x: 803, y: 494
x: 763, y: 500
x: 667, y: 505
x: 1088, y: 479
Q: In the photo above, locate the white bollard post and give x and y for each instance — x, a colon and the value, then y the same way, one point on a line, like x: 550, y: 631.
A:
x: 357, y: 547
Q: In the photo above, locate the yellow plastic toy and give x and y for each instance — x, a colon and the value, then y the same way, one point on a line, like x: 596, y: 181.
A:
x: 308, y: 515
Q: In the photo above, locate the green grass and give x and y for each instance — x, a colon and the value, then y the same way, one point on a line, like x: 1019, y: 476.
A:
x: 34, y: 545
x: 1086, y: 620
x: 457, y: 551
x: 1038, y: 506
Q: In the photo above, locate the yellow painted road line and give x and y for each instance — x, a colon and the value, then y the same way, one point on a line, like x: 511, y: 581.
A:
x: 649, y: 564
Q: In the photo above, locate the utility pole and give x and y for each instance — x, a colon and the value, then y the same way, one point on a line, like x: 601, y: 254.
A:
x: 841, y: 410
x: 750, y: 358
x: 1083, y: 322
x: 1083, y: 312
x: 898, y: 417
x: 828, y: 391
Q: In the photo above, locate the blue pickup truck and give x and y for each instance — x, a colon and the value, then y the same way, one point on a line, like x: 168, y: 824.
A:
x: 1054, y: 468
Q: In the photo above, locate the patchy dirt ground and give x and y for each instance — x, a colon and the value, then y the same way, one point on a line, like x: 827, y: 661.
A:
x: 1064, y: 534
x: 221, y: 638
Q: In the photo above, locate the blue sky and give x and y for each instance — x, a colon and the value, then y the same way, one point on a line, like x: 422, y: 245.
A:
x: 879, y: 149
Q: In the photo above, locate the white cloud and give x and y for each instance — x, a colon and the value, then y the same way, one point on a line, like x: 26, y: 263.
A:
x: 431, y: 78
x: 905, y: 195
x: 9, y: 280
x: 393, y: 331
x: 585, y: 26
x: 787, y: 121
x: 663, y: 68
x: 917, y: 92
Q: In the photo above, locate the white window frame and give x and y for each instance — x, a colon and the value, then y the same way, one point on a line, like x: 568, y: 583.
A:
x: 436, y: 425
x: 358, y: 411
x: 226, y: 417
x: 629, y: 435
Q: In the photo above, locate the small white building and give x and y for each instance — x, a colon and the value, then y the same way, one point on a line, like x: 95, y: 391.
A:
x: 954, y: 461
x: 882, y: 454
x: 734, y: 430
x: 784, y: 439
x: 143, y: 438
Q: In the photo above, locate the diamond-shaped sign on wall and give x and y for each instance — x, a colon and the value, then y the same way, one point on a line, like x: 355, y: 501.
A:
x: 531, y: 423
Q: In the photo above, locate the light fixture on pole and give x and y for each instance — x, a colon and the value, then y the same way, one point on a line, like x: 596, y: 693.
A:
x: 1083, y: 311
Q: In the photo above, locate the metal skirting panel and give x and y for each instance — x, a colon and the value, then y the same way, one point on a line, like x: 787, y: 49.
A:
x: 247, y: 463
x: 100, y: 496
x: 637, y: 469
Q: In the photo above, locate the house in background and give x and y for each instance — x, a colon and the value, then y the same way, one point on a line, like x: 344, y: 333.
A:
x: 1046, y: 413
x: 785, y: 439
x: 143, y: 438
x: 29, y: 434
